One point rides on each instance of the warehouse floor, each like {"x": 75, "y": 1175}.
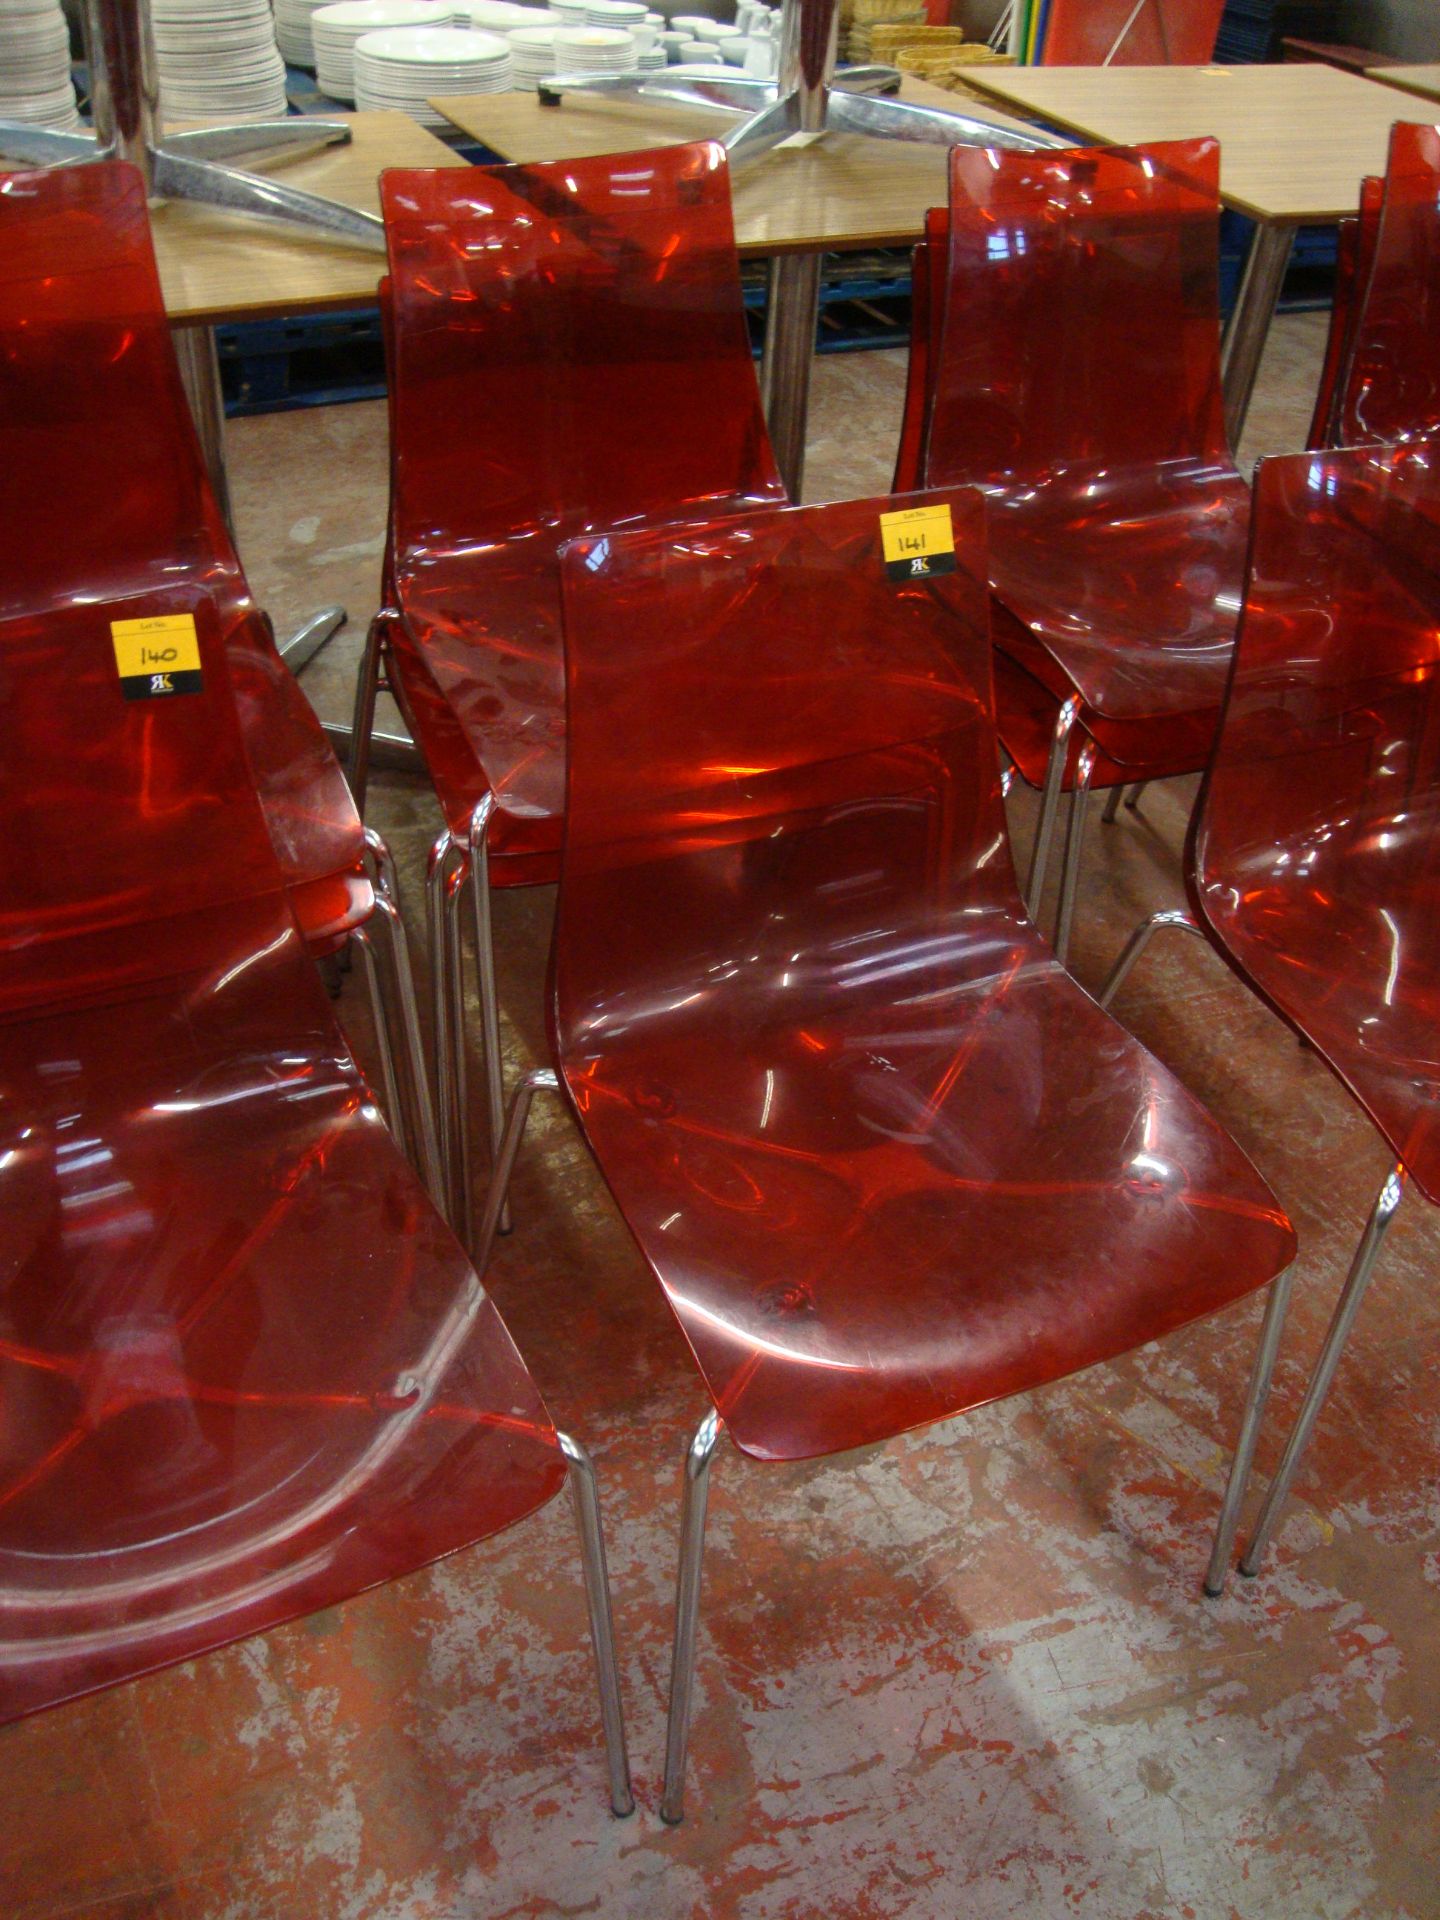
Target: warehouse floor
{"x": 969, "y": 1673}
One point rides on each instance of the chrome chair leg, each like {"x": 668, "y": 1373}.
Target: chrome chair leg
{"x": 396, "y": 1112}
{"x": 367, "y": 686}
{"x": 1112, "y": 805}
{"x": 1070, "y": 872}
{"x": 687, "y": 1613}
{"x": 493, "y": 1063}
{"x": 1257, "y": 1394}
{"x": 1050, "y": 804}
{"x": 452, "y": 901}
{"x": 1132, "y": 799}
{"x": 1138, "y": 942}
{"x": 436, "y": 877}
{"x": 585, "y": 1495}
{"x": 382, "y": 862}
{"x": 423, "y": 1146}
{"x": 1357, "y": 1281}
{"x": 497, "y": 1196}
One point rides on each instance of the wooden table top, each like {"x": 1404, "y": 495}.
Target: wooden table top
{"x": 1424, "y": 80}
{"x": 1295, "y": 140}
{"x": 220, "y": 266}
{"x": 837, "y": 193}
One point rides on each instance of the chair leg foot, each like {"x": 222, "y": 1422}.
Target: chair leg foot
{"x": 1362, "y": 1268}
{"x": 585, "y": 1495}
{"x": 1261, "y": 1373}
{"x": 687, "y": 1613}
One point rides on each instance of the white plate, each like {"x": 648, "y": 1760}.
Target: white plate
{"x": 432, "y": 46}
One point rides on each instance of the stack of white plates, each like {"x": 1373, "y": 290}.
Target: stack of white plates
{"x": 35, "y": 65}
{"x": 594, "y": 50}
{"x": 570, "y": 13}
{"x": 402, "y": 66}
{"x": 292, "y": 31}
{"x": 500, "y": 16}
{"x": 337, "y": 28}
{"x": 532, "y": 54}
{"x": 218, "y": 59}
{"x": 615, "y": 13}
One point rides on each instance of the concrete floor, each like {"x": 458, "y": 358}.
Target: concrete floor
{"x": 968, "y": 1673}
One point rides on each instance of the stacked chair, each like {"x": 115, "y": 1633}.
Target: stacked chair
{"x": 568, "y": 352}
{"x": 887, "y": 1161}
{"x": 99, "y": 441}
{"x": 246, "y": 1369}
{"x": 1312, "y": 862}
{"x": 1381, "y": 376}
{"x": 1067, "y": 363}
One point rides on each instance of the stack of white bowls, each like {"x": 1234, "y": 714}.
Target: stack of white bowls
{"x": 339, "y": 26}
{"x": 292, "y": 31}
{"x": 595, "y": 50}
{"x": 218, "y": 59}
{"x": 35, "y": 65}
{"x": 532, "y": 54}
{"x": 400, "y": 67}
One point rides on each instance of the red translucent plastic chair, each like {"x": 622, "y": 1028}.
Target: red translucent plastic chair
{"x": 1312, "y": 863}
{"x": 104, "y": 499}
{"x": 1389, "y": 386}
{"x": 245, "y": 1369}
{"x": 1076, "y": 379}
{"x": 886, "y": 1159}
{"x": 1130, "y": 33}
{"x": 569, "y": 352}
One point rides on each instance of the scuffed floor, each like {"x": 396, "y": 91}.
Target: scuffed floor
{"x": 966, "y": 1674}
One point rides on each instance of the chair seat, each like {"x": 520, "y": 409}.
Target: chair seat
{"x": 1029, "y": 691}
{"x": 895, "y": 1205}
{"x": 1133, "y": 590}
{"x": 1358, "y": 971}
{"x": 245, "y": 1369}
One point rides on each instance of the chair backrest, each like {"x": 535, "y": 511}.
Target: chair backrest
{"x": 102, "y": 485}
{"x": 809, "y": 783}
{"x": 1313, "y": 852}
{"x": 1390, "y": 381}
{"x": 570, "y": 349}
{"x": 1120, "y": 33}
{"x": 105, "y": 501}
{"x": 1081, "y": 317}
